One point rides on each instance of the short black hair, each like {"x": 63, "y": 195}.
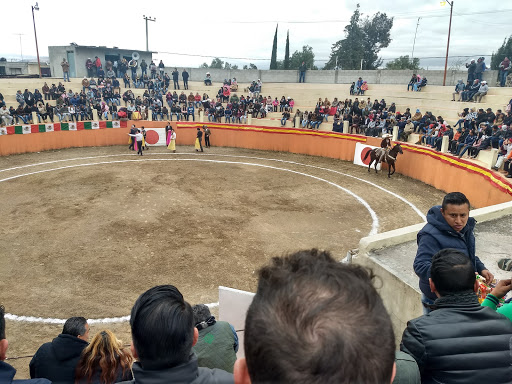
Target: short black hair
{"x": 75, "y": 326}
{"x": 2, "y": 322}
{"x": 455, "y": 198}
{"x": 162, "y": 326}
{"x": 452, "y": 272}
{"x": 201, "y": 313}
{"x": 315, "y": 320}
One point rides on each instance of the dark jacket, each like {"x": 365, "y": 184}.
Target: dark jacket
{"x": 216, "y": 346}
{"x": 57, "y": 360}
{"x": 7, "y": 373}
{"x": 460, "y": 342}
{"x": 437, "y": 235}
{"x": 183, "y": 374}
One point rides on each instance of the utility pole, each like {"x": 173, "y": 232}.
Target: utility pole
{"x": 21, "y": 46}
{"x": 150, "y": 19}
{"x": 448, "y": 44}
{"x": 414, "y": 43}
{"x": 36, "y": 8}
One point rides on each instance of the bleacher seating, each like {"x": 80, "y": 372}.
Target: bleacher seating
{"x": 436, "y": 99}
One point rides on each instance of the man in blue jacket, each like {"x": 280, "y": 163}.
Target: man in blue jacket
{"x": 448, "y": 226}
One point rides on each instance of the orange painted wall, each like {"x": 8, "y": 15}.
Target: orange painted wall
{"x": 307, "y": 142}
{"x": 444, "y": 172}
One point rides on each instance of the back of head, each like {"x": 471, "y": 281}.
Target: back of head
{"x": 452, "y": 272}
{"x": 455, "y": 198}
{"x": 75, "y": 326}
{"x": 314, "y": 320}
{"x": 104, "y": 354}
{"x": 162, "y": 326}
{"x": 201, "y": 313}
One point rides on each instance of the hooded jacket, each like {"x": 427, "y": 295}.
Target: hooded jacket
{"x": 57, "y": 360}
{"x": 436, "y": 235}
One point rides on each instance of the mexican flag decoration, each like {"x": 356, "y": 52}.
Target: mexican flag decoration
{"x": 22, "y": 129}
{"x": 42, "y": 128}
{"x": 116, "y": 124}
{"x": 110, "y": 124}
{"x": 64, "y": 126}
{"x": 49, "y": 127}
{"x": 72, "y": 126}
{"x": 34, "y": 128}
{"x": 3, "y": 131}
{"x": 94, "y": 125}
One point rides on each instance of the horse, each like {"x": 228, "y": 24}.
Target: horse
{"x": 390, "y": 158}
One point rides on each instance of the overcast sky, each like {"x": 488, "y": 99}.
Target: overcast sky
{"x": 241, "y": 32}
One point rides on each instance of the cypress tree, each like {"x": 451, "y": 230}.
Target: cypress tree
{"x": 286, "y": 64}
{"x": 273, "y": 59}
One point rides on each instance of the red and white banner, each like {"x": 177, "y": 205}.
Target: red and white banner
{"x": 360, "y": 152}
{"x": 155, "y": 136}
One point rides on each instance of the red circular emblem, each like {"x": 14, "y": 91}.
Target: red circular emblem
{"x": 363, "y": 154}
{"x": 152, "y": 137}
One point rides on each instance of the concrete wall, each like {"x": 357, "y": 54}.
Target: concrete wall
{"x": 22, "y": 67}
{"x": 330, "y": 77}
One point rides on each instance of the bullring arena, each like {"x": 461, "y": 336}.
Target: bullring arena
{"x": 88, "y": 225}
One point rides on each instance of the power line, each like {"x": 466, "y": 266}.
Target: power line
{"x": 395, "y": 16}
{"x": 316, "y": 59}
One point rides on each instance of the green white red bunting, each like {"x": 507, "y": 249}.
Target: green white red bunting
{"x": 54, "y": 127}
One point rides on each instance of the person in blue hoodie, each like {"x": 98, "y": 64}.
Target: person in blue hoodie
{"x": 7, "y": 372}
{"x": 448, "y": 226}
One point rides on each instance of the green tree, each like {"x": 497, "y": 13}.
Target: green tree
{"x": 286, "y": 63}
{"x": 217, "y": 63}
{"x": 204, "y": 65}
{"x": 305, "y": 55}
{"x": 273, "y": 59}
{"x": 245, "y": 67}
{"x": 364, "y": 38}
{"x": 504, "y": 51}
{"x": 404, "y": 62}
{"x": 252, "y": 66}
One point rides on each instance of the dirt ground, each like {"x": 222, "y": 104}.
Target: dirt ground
{"x": 88, "y": 240}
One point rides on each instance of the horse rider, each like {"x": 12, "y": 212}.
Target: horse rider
{"x": 385, "y": 147}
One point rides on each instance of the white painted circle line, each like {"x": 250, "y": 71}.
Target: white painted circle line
{"x": 49, "y": 320}
{"x": 414, "y": 208}
{"x": 373, "y": 231}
